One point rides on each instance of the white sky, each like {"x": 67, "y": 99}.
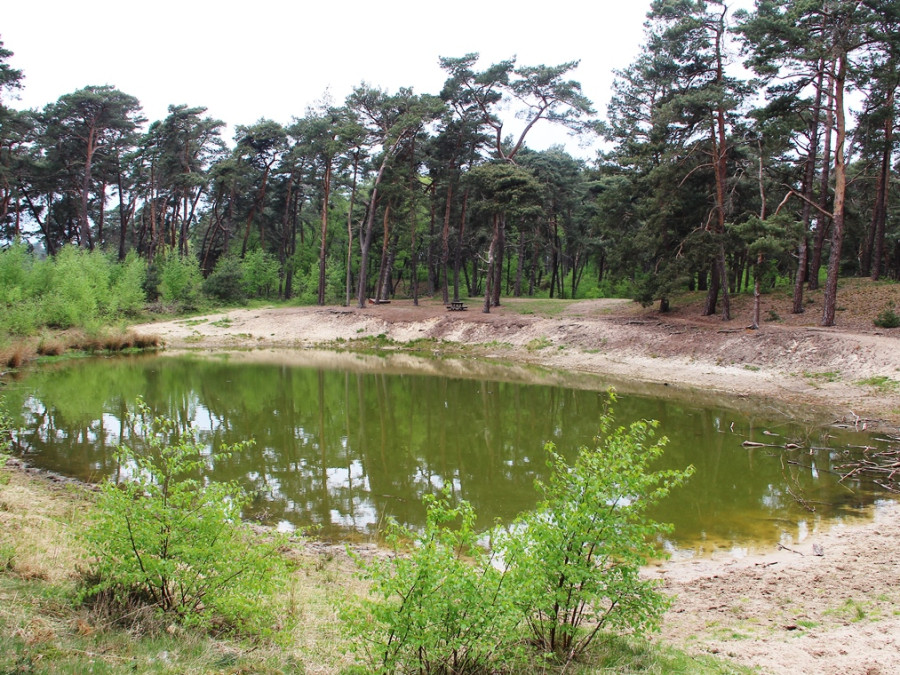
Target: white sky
{"x": 268, "y": 58}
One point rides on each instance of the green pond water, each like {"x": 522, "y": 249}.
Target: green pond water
{"x": 344, "y": 441}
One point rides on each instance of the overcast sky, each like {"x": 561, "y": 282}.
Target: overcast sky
{"x": 266, "y": 58}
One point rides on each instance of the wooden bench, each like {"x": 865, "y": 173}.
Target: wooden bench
{"x": 457, "y": 306}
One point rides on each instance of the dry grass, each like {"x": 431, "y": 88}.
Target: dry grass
{"x": 15, "y": 355}
{"x": 56, "y": 343}
{"x": 39, "y": 528}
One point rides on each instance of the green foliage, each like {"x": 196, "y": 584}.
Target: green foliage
{"x": 73, "y": 287}
{"x": 569, "y": 570}
{"x": 307, "y": 284}
{"x": 127, "y": 296}
{"x": 575, "y": 560}
{"x": 440, "y": 609}
{"x": 226, "y": 282}
{"x": 180, "y": 280}
{"x": 260, "y": 274}
{"x": 165, "y": 537}
{"x": 6, "y": 427}
{"x": 76, "y": 288}
{"x": 887, "y": 318}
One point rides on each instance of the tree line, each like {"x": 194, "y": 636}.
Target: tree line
{"x": 713, "y": 177}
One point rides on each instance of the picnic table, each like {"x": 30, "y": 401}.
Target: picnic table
{"x": 457, "y": 306}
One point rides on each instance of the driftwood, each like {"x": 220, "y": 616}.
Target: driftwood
{"x": 882, "y": 468}
{"x": 786, "y": 446}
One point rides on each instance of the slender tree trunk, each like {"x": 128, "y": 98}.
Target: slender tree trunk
{"x": 257, "y": 206}
{"x": 517, "y": 288}
{"x": 123, "y": 216}
{"x": 823, "y": 222}
{"x": 489, "y": 277}
{"x": 84, "y": 226}
{"x": 457, "y": 259}
{"x": 881, "y": 197}
{"x": 383, "y": 271}
{"x": 414, "y": 255}
{"x": 445, "y": 239}
{"x": 366, "y": 236}
{"x": 326, "y": 196}
{"x": 350, "y": 226}
{"x": 499, "y": 249}
{"x": 720, "y": 164}
{"x": 840, "y": 186}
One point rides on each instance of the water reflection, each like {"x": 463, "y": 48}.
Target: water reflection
{"x": 340, "y": 450}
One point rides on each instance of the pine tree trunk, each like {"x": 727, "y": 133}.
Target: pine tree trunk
{"x": 840, "y": 187}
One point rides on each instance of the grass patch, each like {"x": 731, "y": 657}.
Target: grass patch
{"x": 193, "y": 322}
{"x": 224, "y": 322}
{"x": 852, "y": 610}
{"x": 824, "y": 376}
{"x": 882, "y": 383}
{"x": 538, "y": 343}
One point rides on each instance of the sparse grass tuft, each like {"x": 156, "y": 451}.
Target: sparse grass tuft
{"x": 538, "y": 343}
{"x": 882, "y": 383}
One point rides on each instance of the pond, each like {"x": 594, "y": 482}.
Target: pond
{"x": 343, "y": 441}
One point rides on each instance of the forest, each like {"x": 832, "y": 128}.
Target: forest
{"x": 741, "y": 151}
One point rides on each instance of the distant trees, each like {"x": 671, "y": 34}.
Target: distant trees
{"x": 669, "y": 205}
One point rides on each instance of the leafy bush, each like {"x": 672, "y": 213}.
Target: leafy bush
{"x": 167, "y": 538}
{"x": 575, "y": 560}
{"x": 260, "y": 274}
{"x": 127, "y": 295}
{"x": 180, "y": 280}
{"x": 567, "y": 570}
{"x": 73, "y": 287}
{"x": 76, "y": 288}
{"x": 226, "y": 282}
{"x": 887, "y": 318}
{"x": 440, "y": 609}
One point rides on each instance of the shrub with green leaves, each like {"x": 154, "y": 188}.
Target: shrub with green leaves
{"x": 887, "y": 318}
{"x": 567, "y": 571}
{"x": 226, "y": 282}
{"x": 180, "y": 280}
{"x": 166, "y": 537}
{"x": 575, "y": 560}
{"x": 260, "y": 274}
{"x": 441, "y": 607}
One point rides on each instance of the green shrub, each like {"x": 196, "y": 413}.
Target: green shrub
{"x": 887, "y": 318}
{"x": 73, "y": 287}
{"x": 575, "y": 560}
{"x": 439, "y": 609}
{"x": 567, "y": 571}
{"x": 166, "y": 537}
{"x": 260, "y": 274}
{"x": 15, "y": 267}
{"x": 226, "y": 282}
{"x": 180, "y": 280}
{"x": 127, "y": 295}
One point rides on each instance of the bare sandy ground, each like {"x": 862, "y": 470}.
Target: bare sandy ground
{"x": 830, "y": 605}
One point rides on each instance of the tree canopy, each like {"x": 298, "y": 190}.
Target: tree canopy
{"x": 700, "y": 156}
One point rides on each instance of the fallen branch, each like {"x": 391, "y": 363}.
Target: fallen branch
{"x": 782, "y": 547}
